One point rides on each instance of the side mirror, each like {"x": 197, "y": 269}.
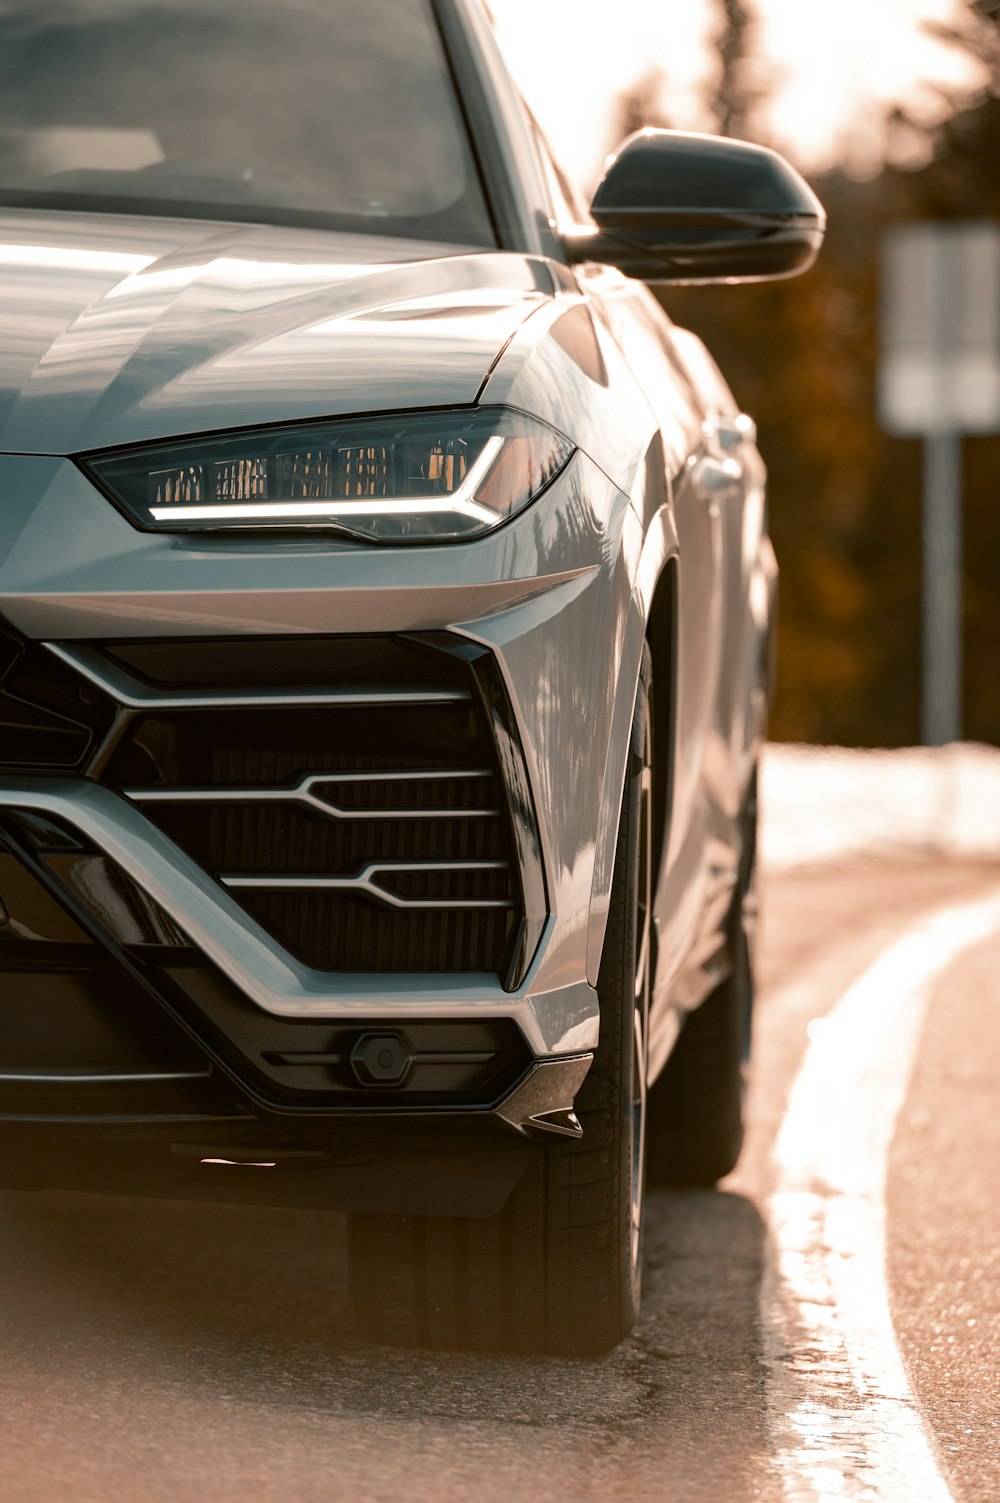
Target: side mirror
{"x": 675, "y": 207}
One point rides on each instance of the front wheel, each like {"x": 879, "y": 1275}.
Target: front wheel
{"x": 557, "y": 1270}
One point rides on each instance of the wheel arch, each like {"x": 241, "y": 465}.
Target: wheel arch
{"x": 653, "y": 618}
{"x": 662, "y": 635}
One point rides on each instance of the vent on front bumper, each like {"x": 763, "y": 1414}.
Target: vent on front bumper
{"x": 110, "y": 1009}
{"x": 356, "y": 811}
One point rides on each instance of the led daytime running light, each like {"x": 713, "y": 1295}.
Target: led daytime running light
{"x": 461, "y": 499}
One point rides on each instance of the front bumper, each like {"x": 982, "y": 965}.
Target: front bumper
{"x": 140, "y": 991}
{"x": 143, "y": 1069}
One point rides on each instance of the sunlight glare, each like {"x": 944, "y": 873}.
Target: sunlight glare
{"x": 830, "y": 69}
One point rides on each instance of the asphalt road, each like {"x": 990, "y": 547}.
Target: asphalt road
{"x": 177, "y": 1352}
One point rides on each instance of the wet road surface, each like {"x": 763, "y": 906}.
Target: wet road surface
{"x": 181, "y": 1352}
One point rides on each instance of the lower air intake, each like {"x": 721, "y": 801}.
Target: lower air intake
{"x": 369, "y": 834}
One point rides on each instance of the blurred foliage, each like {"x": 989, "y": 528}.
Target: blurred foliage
{"x": 642, "y": 104}
{"x": 734, "y": 97}
{"x": 801, "y": 357}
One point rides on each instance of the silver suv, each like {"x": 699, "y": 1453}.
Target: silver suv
{"x": 385, "y": 610}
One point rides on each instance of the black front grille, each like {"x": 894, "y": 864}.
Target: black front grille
{"x": 367, "y": 834}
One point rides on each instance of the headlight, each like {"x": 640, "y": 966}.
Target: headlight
{"x": 411, "y": 477}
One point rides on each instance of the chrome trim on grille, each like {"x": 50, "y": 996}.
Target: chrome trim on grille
{"x": 363, "y": 881}
{"x": 131, "y": 694}
{"x": 302, "y": 793}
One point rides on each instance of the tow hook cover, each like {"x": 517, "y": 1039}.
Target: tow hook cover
{"x": 381, "y": 1059}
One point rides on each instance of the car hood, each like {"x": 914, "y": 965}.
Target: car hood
{"x": 119, "y": 330}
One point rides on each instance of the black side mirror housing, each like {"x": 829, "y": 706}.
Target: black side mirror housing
{"x": 677, "y": 207}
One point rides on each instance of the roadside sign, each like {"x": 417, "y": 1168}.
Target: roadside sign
{"x": 940, "y": 366}
{"x": 939, "y": 377}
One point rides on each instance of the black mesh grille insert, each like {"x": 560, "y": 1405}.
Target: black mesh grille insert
{"x": 369, "y": 835}
{"x": 339, "y": 933}
{"x": 282, "y": 838}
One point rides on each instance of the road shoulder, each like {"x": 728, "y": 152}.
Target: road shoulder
{"x": 944, "y": 1224}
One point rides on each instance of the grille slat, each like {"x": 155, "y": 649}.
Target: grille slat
{"x": 412, "y": 894}
{"x": 134, "y": 695}
{"x": 372, "y": 795}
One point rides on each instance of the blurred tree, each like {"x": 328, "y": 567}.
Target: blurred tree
{"x": 642, "y": 103}
{"x": 975, "y": 30}
{"x": 734, "y": 95}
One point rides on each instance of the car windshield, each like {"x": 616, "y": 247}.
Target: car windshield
{"x": 337, "y": 113}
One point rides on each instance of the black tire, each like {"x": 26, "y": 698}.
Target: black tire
{"x": 557, "y": 1270}
{"x": 696, "y": 1108}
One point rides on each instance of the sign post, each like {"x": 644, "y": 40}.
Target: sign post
{"x": 939, "y": 377}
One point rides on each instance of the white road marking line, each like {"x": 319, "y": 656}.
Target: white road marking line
{"x": 844, "y": 1422}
